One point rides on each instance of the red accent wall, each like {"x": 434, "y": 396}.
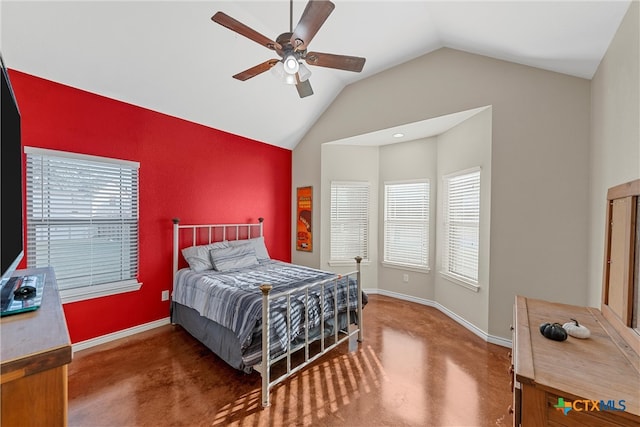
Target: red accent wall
{"x": 189, "y": 171}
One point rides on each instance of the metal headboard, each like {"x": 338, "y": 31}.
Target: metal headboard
{"x": 212, "y": 231}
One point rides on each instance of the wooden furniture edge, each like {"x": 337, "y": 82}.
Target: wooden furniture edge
{"x": 523, "y": 362}
{"x": 14, "y": 369}
{"x": 606, "y": 269}
{"x": 629, "y": 339}
{"x": 534, "y": 399}
{"x": 627, "y": 189}
{"x": 623, "y": 190}
{"x": 36, "y": 351}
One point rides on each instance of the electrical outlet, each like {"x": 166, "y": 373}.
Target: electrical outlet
{"x": 405, "y": 278}
{"x": 165, "y": 295}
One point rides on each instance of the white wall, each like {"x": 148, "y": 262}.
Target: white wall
{"x": 615, "y": 134}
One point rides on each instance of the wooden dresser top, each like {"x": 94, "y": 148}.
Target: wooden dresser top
{"x": 38, "y": 340}
{"x": 602, "y": 367}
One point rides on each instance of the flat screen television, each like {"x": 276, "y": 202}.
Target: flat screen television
{"x": 11, "y": 227}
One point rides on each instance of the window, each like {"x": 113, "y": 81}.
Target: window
{"x": 461, "y": 226}
{"x": 82, "y": 219}
{"x": 349, "y": 220}
{"x": 406, "y": 224}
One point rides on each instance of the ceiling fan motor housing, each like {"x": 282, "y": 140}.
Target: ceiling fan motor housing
{"x": 284, "y": 40}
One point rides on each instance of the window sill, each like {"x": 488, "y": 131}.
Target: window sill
{"x": 472, "y": 286}
{"x": 397, "y": 266}
{"x": 345, "y": 263}
{"x": 98, "y": 291}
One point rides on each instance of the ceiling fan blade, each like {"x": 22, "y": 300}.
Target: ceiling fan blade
{"x": 254, "y": 71}
{"x": 304, "y": 88}
{"x": 240, "y": 28}
{"x": 314, "y": 15}
{"x": 340, "y": 62}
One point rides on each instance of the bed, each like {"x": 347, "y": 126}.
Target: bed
{"x": 226, "y": 285}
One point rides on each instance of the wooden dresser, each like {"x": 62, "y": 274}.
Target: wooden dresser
{"x": 581, "y": 372}
{"x": 35, "y": 350}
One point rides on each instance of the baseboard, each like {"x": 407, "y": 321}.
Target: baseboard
{"x": 83, "y": 345}
{"x": 161, "y": 322}
{"x": 462, "y": 321}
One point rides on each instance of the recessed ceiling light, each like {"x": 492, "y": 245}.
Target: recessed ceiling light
{"x": 398, "y": 135}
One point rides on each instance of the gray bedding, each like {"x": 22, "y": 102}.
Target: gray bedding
{"x": 233, "y": 301}
{"x": 217, "y": 338}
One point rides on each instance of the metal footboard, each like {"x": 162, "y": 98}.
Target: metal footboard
{"x": 339, "y": 336}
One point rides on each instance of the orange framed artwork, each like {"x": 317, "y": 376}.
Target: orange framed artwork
{"x": 304, "y": 233}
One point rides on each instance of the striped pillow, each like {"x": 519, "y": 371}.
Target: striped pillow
{"x": 256, "y": 243}
{"x": 198, "y": 257}
{"x": 225, "y": 259}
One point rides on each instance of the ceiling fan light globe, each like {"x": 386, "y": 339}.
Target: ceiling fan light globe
{"x": 278, "y": 70}
{"x": 291, "y": 65}
{"x": 290, "y": 79}
{"x": 304, "y": 73}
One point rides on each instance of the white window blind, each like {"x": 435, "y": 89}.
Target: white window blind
{"x": 406, "y": 224}
{"x": 349, "y": 220}
{"x": 82, "y": 217}
{"x": 462, "y": 225}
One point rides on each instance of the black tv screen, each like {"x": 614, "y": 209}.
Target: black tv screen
{"x": 11, "y": 230}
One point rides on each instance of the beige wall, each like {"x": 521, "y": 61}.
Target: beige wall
{"x": 405, "y": 161}
{"x": 467, "y": 146}
{"x": 615, "y": 133}
{"x": 539, "y": 158}
{"x": 347, "y": 163}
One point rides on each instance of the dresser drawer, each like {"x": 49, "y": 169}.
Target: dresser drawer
{"x": 584, "y": 413}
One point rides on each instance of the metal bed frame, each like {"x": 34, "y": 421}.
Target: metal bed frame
{"x": 244, "y": 231}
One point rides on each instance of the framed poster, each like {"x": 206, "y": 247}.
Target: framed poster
{"x": 304, "y": 201}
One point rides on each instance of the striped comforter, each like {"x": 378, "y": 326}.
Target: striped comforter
{"x": 233, "y": 299}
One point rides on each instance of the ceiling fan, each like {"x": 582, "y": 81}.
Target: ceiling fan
{"x": 292, "y": 47}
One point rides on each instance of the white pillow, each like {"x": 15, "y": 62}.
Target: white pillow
{"x": 198, "y": 257}
{"x": 256, "y": 243}
{"x": 231, "y": 258}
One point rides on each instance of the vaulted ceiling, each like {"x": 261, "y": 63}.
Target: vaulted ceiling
{"x": 170, "y": 57}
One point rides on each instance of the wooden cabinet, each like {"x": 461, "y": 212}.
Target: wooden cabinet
{"x": 598, "y": 378}
{"x": 35, "y": 350}
{"x": 596, "y": 381}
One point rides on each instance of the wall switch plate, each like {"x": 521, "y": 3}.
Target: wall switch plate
{"x": 165, "y": 295}
{"x": 405, "y": 278}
